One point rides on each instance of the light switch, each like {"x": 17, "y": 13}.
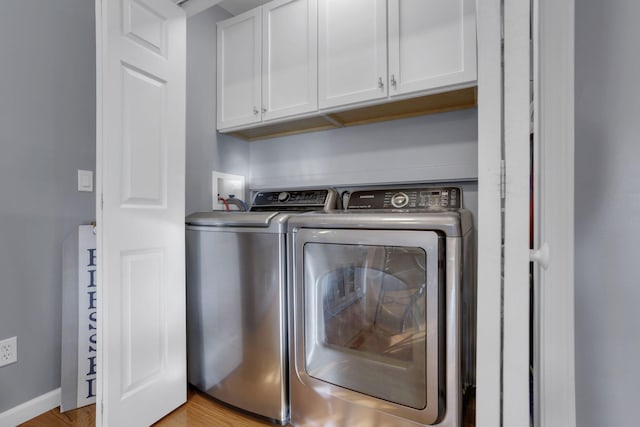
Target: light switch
{"x": 85, "y": 180}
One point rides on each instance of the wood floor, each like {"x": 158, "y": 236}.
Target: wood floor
{"x": 199, "y": 411}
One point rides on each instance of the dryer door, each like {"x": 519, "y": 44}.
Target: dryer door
{"x": 371, "y": 303}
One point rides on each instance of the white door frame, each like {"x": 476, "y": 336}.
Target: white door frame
{"x": 517, "y": 158}
{"x": 503, "y": 103}
{"x": 489, "y": 221}
{"x": 554, "y": 362}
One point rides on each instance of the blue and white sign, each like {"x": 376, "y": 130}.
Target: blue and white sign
{"x": 87, "y": 312}
{"x": 79, "y": 319}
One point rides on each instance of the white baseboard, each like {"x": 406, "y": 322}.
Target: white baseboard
{"x": 30, "y": 409}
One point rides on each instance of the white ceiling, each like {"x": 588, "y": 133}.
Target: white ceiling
{"x": 193, "y": 7}
{"x": 236, "y": 7}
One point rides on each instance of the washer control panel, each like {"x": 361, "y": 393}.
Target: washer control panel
{"x": 294, "y": 200}
{"x": 407, "y": 198}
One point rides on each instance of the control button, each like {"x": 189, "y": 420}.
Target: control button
{"x": 399, "y": 200}
{"x": 283, "y": 197}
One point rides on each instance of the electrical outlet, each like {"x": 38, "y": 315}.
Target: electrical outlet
{"x": 9, "y": 351}
{"x": 226, "y": 185}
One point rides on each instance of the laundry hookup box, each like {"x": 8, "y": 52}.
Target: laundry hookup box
{"x": 79, "y": 323}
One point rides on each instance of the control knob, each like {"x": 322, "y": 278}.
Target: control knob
{"x": 283, "y": 197}
{"x": 399, "y": 200}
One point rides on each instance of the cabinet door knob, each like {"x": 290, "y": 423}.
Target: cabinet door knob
{"x": 380, "y": 83}
{"x": 393, "y": 81}
{"x": 264, "y": 110}
{"x": 255, "y": 111}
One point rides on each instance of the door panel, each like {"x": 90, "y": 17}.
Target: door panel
{"x": 432, "y": 44}
{"x": 290, "y": 58}
{"x": 239, "y": 57}
{"x": 144, "y": 149}
{"x": 143, "y": 24}
{"x": 352, "y": 51}
{"x": 141, "y": 283}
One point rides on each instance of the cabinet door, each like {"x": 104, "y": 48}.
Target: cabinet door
{"x": 238, "y": 57}
{"x": 352, "y": 50}
{"x": 290, "y": 58}
{"x": 432, "y": 44}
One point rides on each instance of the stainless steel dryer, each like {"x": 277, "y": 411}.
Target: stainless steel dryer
{"x": 236, "y": 300}
{"x": 382, "y": 309}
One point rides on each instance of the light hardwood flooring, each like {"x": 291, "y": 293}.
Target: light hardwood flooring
{"x": 199, "y": 411}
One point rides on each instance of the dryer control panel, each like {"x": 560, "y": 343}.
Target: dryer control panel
{"x": 407, "y": 198}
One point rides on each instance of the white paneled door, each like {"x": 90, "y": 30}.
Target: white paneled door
{"x": 140, "y": 210}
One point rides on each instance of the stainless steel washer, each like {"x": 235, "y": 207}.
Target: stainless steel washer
{"x": 382, "y": 309}
{"x": 236, "y": 300}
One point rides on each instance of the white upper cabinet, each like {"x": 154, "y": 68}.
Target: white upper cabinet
{"x": 290, "y": 58}
{"x": 432, "y": 44}
{"x": 239, "y": 69}
{"x": 352, "y": 50}
{"x": 304, "y": 59}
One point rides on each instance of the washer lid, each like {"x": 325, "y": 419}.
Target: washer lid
{"x": 231, "y": 219}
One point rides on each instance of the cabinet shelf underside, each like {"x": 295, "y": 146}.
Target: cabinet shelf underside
{"x": 429, "y": 104}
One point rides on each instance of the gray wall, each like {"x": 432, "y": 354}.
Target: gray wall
{"x": 607, "y": 292}
{"x": 426, "y": 148}
{"x": 206, "y": 150}
{"x": 47, "y": 132}
{"x": 433, "y": 148}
